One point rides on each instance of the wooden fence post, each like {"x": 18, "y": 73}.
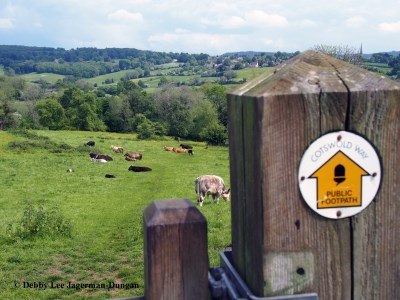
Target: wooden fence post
{"x": 280, "y": 246}
{"x": 175, "y": 249}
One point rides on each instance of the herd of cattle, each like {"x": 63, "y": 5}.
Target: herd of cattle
{"x": 204, "y": 185}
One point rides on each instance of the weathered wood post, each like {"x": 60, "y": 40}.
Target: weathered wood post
{"x": 280, "y": 246}
{"x": 175, "y": 249}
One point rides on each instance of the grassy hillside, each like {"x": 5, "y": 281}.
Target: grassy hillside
{"x": 106, "y": 244}
{"x": 49, "y": 77}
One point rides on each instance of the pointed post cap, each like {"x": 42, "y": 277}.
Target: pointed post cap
{"x": 313, "y": 72}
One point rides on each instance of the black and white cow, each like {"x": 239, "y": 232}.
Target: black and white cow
{"x": 211, "y": 184}
{"x": 95, "y": 156}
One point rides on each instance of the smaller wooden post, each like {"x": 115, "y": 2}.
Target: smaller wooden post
{"x": 175, "y": 249}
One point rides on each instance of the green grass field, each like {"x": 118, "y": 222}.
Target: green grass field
{"x": 106, "y": 243}
{"x": 49, "y": 77}
{"x": 250, "y": 73}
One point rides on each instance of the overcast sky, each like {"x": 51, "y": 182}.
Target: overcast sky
{"x": 202, "y": 26}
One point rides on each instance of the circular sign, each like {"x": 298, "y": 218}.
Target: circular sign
{"x": 339, "y": 174}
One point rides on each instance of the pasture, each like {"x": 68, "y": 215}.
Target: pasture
{"x": 49, "y": 77}
{"x": 106, "y": 243}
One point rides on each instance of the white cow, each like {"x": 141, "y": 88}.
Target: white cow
{"x": 211, "y": 184}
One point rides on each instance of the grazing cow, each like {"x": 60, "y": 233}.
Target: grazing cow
{"x": 90, "y": 144}
{"x": 100, "y": 156}
{"x": 132, "y": 156}
{"x": 99, "y": 160}
{"x": 185, "y": 146}
{"x": 211, "y": 184}
{"x": 139, "y": 169}
{"x": 110, "y": 176}
{"x": 70, "y": 171}
{"x": 117, "y": 149}
{"x": 179, "y": 150}
{"x": 166, "y": 148}
{"x": 190, "y": 151}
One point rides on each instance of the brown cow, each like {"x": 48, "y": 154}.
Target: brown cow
{"x": 179, "y": 150}
{"x": 117, "y": 149}
{"x": 132, "y": 156}
{"x": 166, "y": 148}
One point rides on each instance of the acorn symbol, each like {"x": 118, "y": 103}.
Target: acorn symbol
{"x": 340, "y": 173}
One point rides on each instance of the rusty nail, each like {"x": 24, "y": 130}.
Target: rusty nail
{"x": 339, "y": 137}
{"x": 338, "y": 213}
{"x": 374, "y": 174}
{"x": 302, "y": 178}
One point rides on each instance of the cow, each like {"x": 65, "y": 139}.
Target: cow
{"x": 186, "y": 146}
{"x": 100, "y": 156}
{"x": 117, "y": 149}
{"x": 90, "y": 144}
{"x": 211, "y": 184}
{"x": 190, "y": 151}
{"x": 99, "y": 160}
{"x": 179, "y": 150}
{"x": 139, "y": 169}
{"x": 166, "y": 148}
{"x": 132, "y": 156}
{"x": 129, "y": 158}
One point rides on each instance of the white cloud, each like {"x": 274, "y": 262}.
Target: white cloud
{"x": 6, "y": 23}
{"x": 390, "y": 27}
{"x": 37, "y": 24}
{"x": 276, "y": 44}
{"x": 233, "y": 22}
{"x": 181, "y": 30}
{"x": 260, "y": 18}
{"x": 125, "y": 16}
{"x": 306, "y": 23}
{"x": 251, "y": 19}
{"x": 212, "y": 43}
{"x": 355, "y": 22}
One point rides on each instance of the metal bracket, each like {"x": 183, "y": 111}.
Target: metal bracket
{"x": 226, "y": 284}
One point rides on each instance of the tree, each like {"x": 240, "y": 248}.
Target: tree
{"x": 163, "y": 81}
{"x": 118, "y": 115}
{"x": 51, "y": 114}
{"x": 216, "y": 93}
{"x": 174, "y": 107}
{"x": 140, "y": 102}
{"x": 7, "y": 116}
{"x": 345, "y": 53}
{"x": 147, "y": 129}
{"x": 203, "y": 115}
{"x": 214, "y": 134}
{"x": 82, "y": 110}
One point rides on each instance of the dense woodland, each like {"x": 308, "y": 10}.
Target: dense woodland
{"x": 192, "y": 111}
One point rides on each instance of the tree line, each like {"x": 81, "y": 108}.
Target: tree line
{"x": 392, "y": 61}
{"x": 197, "y": 114}
{"x": 85, "y": 62}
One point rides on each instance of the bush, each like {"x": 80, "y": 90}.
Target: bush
{"x": 147, "y": 129}
{"x": 215, "y": 134}
{"x": 38, "y": 221}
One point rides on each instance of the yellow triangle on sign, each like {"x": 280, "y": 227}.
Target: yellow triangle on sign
{"x": 339, "y": 182}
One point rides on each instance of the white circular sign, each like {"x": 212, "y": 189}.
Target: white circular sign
{"x": 339, "y": 174}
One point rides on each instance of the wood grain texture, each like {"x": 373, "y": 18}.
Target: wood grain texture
{"x": 272, "y": 121}
{"x": 175, "y": 247}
